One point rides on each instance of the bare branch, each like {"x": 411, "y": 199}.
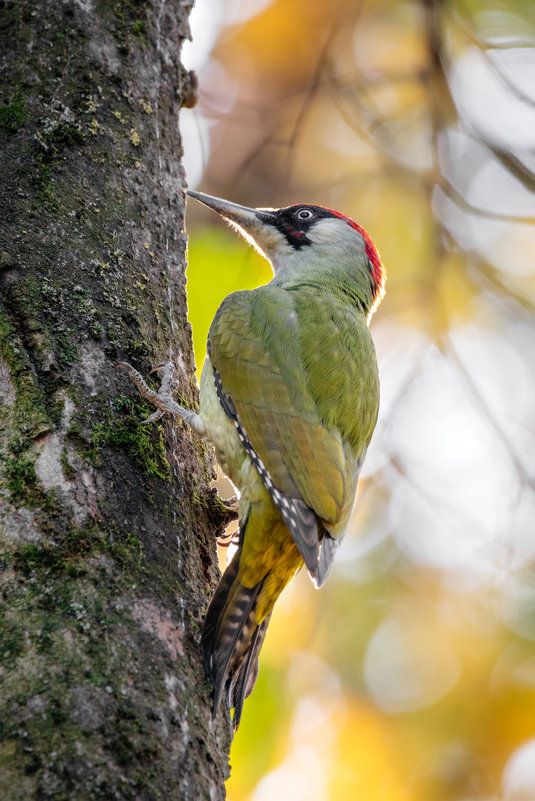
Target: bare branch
{"x": 486, "y": 276}
{"x": 504, "y": 79}
{"x": 450, "y": 191}
{"x": 525, "y": 479}
{"x": 514, "y": 164}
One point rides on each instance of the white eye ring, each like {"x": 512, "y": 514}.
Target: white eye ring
{"x": 304, "y": 214}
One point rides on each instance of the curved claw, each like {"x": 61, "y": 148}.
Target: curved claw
{"x": 231, "y": 504}
{"x": 137, "y": 379}
{"x": 163, "y": 366}
{"x": 125, "y": 366}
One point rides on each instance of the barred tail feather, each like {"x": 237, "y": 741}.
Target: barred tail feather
{"x": 215, "y": 610}
{"x": 231, "y": 639}
{"x": 246, "y": 678}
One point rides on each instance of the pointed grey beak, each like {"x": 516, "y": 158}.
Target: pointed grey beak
{"x": 246, "y": 218}
{"x": 257, "y": 226}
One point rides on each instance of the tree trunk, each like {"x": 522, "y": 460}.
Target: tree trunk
{"x": 107, "y": 526}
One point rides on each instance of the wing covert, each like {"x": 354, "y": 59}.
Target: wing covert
{"x": 256, "y": 347}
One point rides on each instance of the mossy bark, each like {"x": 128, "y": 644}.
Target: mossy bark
{"x": 107, "y": 527}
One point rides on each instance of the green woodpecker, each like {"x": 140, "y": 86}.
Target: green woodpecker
{"x": 289, "y": 397}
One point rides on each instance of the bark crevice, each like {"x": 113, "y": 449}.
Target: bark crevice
{"x": 107, "y": 527}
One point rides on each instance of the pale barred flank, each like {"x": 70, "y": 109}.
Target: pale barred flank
{"x": 299, "y": 518}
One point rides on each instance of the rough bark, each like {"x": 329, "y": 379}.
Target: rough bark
{"x": 107, "y": 526}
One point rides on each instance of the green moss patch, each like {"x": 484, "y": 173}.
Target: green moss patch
{"x": 13, "y": 114}
{"x": 143, "y": 443}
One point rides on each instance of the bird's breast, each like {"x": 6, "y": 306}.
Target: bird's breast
{"x": 220, "y": 429}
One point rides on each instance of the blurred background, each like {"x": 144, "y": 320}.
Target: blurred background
{"x": 411, "y": 675}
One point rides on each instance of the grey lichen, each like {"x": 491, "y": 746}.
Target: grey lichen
{"x": 108, "y": 550}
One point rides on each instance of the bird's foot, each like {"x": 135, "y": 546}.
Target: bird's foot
{"x": 229, "y": 539}
{"x": 163, "y": 398}
{"x": 231, "y": 504}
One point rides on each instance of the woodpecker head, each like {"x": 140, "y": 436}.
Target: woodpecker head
{"x": 301, "y": 239}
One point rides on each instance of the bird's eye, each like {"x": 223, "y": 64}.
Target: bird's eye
{"x": 304, "y": 214}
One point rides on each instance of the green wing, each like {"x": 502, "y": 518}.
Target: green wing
{"x": 298, "y": 370}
